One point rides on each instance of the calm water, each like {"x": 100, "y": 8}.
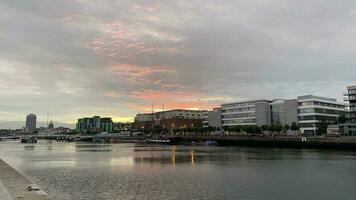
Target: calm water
{"x": 127, "y": 171}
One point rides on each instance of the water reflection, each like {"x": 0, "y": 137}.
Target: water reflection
{"x": 29, "y": 147}
{"x": 132, "y": 171}
{"x": 93, "y": 147}
{"x": 122, "y": 161}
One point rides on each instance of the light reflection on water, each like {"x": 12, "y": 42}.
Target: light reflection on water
{"x": 128, "y": 171}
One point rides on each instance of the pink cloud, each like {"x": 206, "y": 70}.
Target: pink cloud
{"x": 117, "y": 39}
{"x": 167, "y": 95}
{"x": 194, "y": 105}
{"x": 140, "y": 74}
{"x": 147, "y": 8}
{"x": 112, "y": 94}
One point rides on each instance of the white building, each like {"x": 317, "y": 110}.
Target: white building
{"x": 253, "y": 112}
{"x": 312, "y": 110}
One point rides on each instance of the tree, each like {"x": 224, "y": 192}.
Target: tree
{"x": 264, "y": 128}
{"x": 294, "y": 127}
{"x": 226, "y": 128}
{"x": 322, "y": 127}
{"x": 278, "y": 128}
{"x": 286, "y": 128}
{"x": 342, "y": 119}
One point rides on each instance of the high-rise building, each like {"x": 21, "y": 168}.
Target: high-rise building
{"x": 313, "y": 110}
{"x": 350, "y": 125}
{"x": 31, "y": 123}
{"x": 253, "y": 112}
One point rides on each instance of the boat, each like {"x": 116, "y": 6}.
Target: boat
{"x": 29, "y": 140}
{"x": 169, "y": 141}
{"x": 210, "y": 143}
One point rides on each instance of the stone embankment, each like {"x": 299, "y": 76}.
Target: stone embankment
{"x": 13, "y": 185}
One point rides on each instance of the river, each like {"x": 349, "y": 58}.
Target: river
{"x": 75, "y": 171}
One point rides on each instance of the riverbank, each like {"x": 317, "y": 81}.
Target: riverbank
{"x": 13, "y": 185}
{"x": 338, "y": 143}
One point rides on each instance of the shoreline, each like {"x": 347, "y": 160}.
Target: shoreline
{"x": 15, "y": 185}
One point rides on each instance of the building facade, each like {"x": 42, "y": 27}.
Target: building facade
{"x": 95, "y": 124}
{"x": 284, "y": 112}
{"x": 170, "y": 119}
{"x": 313, "y": 110}
{"x": 31, "y": 120}
{"x": 242, "y": 113}
{"x": 350, "y": 125}
{"x": 212, "y": 118}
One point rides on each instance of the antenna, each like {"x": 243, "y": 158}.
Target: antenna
{"x": 163, "y": 117}
{"x": 47, "y": 116}
{"x": 152, "y": 120}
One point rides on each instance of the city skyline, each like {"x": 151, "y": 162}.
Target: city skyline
{"x": 115, "y": 58}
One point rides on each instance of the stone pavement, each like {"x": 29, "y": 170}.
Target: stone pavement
{"x": 13, "y": 185}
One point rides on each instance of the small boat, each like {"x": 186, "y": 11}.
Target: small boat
{"x": 29, "y": 140}
{"x": 210, "y": 143}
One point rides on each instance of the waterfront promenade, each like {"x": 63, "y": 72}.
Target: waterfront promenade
{"x": 13, "y": 185}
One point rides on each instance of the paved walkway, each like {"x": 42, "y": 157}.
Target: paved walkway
{"x": 13, "y": 185}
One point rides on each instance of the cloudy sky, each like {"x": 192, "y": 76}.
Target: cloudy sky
{"x": 79, "y": 58}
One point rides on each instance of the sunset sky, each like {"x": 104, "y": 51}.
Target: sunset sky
{"x": 80, "y": 58}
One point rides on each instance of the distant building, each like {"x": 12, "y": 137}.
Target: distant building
{"x": 94, "y": 125}
{"x": 122, "y": 126}
{"x": 242, "y": 113}
{"x": 31, "y": 120}
{"x": 212, "y": 118}
{"x": 51, "y": 125}
{"x": 312, "y": 110}
{"x": 171, "y": 119}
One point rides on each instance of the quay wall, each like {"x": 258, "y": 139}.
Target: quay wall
{"x": 14, "y": 185}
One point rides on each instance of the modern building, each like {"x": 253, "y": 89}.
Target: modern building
{"x": 31, "y": 120}
{"x": 212, "y": 118}
{"x": 94, "y": 124}
{"x": 284, "y": 112}
{"x": 253, "y": 112}
{"x": 350, "y": 125}
{"x": 170, "y": 119}
{"x": 313, "y": 110}
{"x": 106, "y": 124}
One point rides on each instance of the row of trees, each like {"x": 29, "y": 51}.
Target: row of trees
{"x": 253, "y": 129}
{"x": 161, "y": 130}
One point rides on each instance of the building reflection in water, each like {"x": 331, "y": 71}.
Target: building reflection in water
{"x": 29, "y": 147}
{"x": 192, "y": 158}
{"x": 93, "y": 147}
{"x": 173, "y": 157}
{"x": 122, "y": 161}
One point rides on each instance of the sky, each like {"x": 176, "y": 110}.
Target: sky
{"x": 78, "y": 58}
